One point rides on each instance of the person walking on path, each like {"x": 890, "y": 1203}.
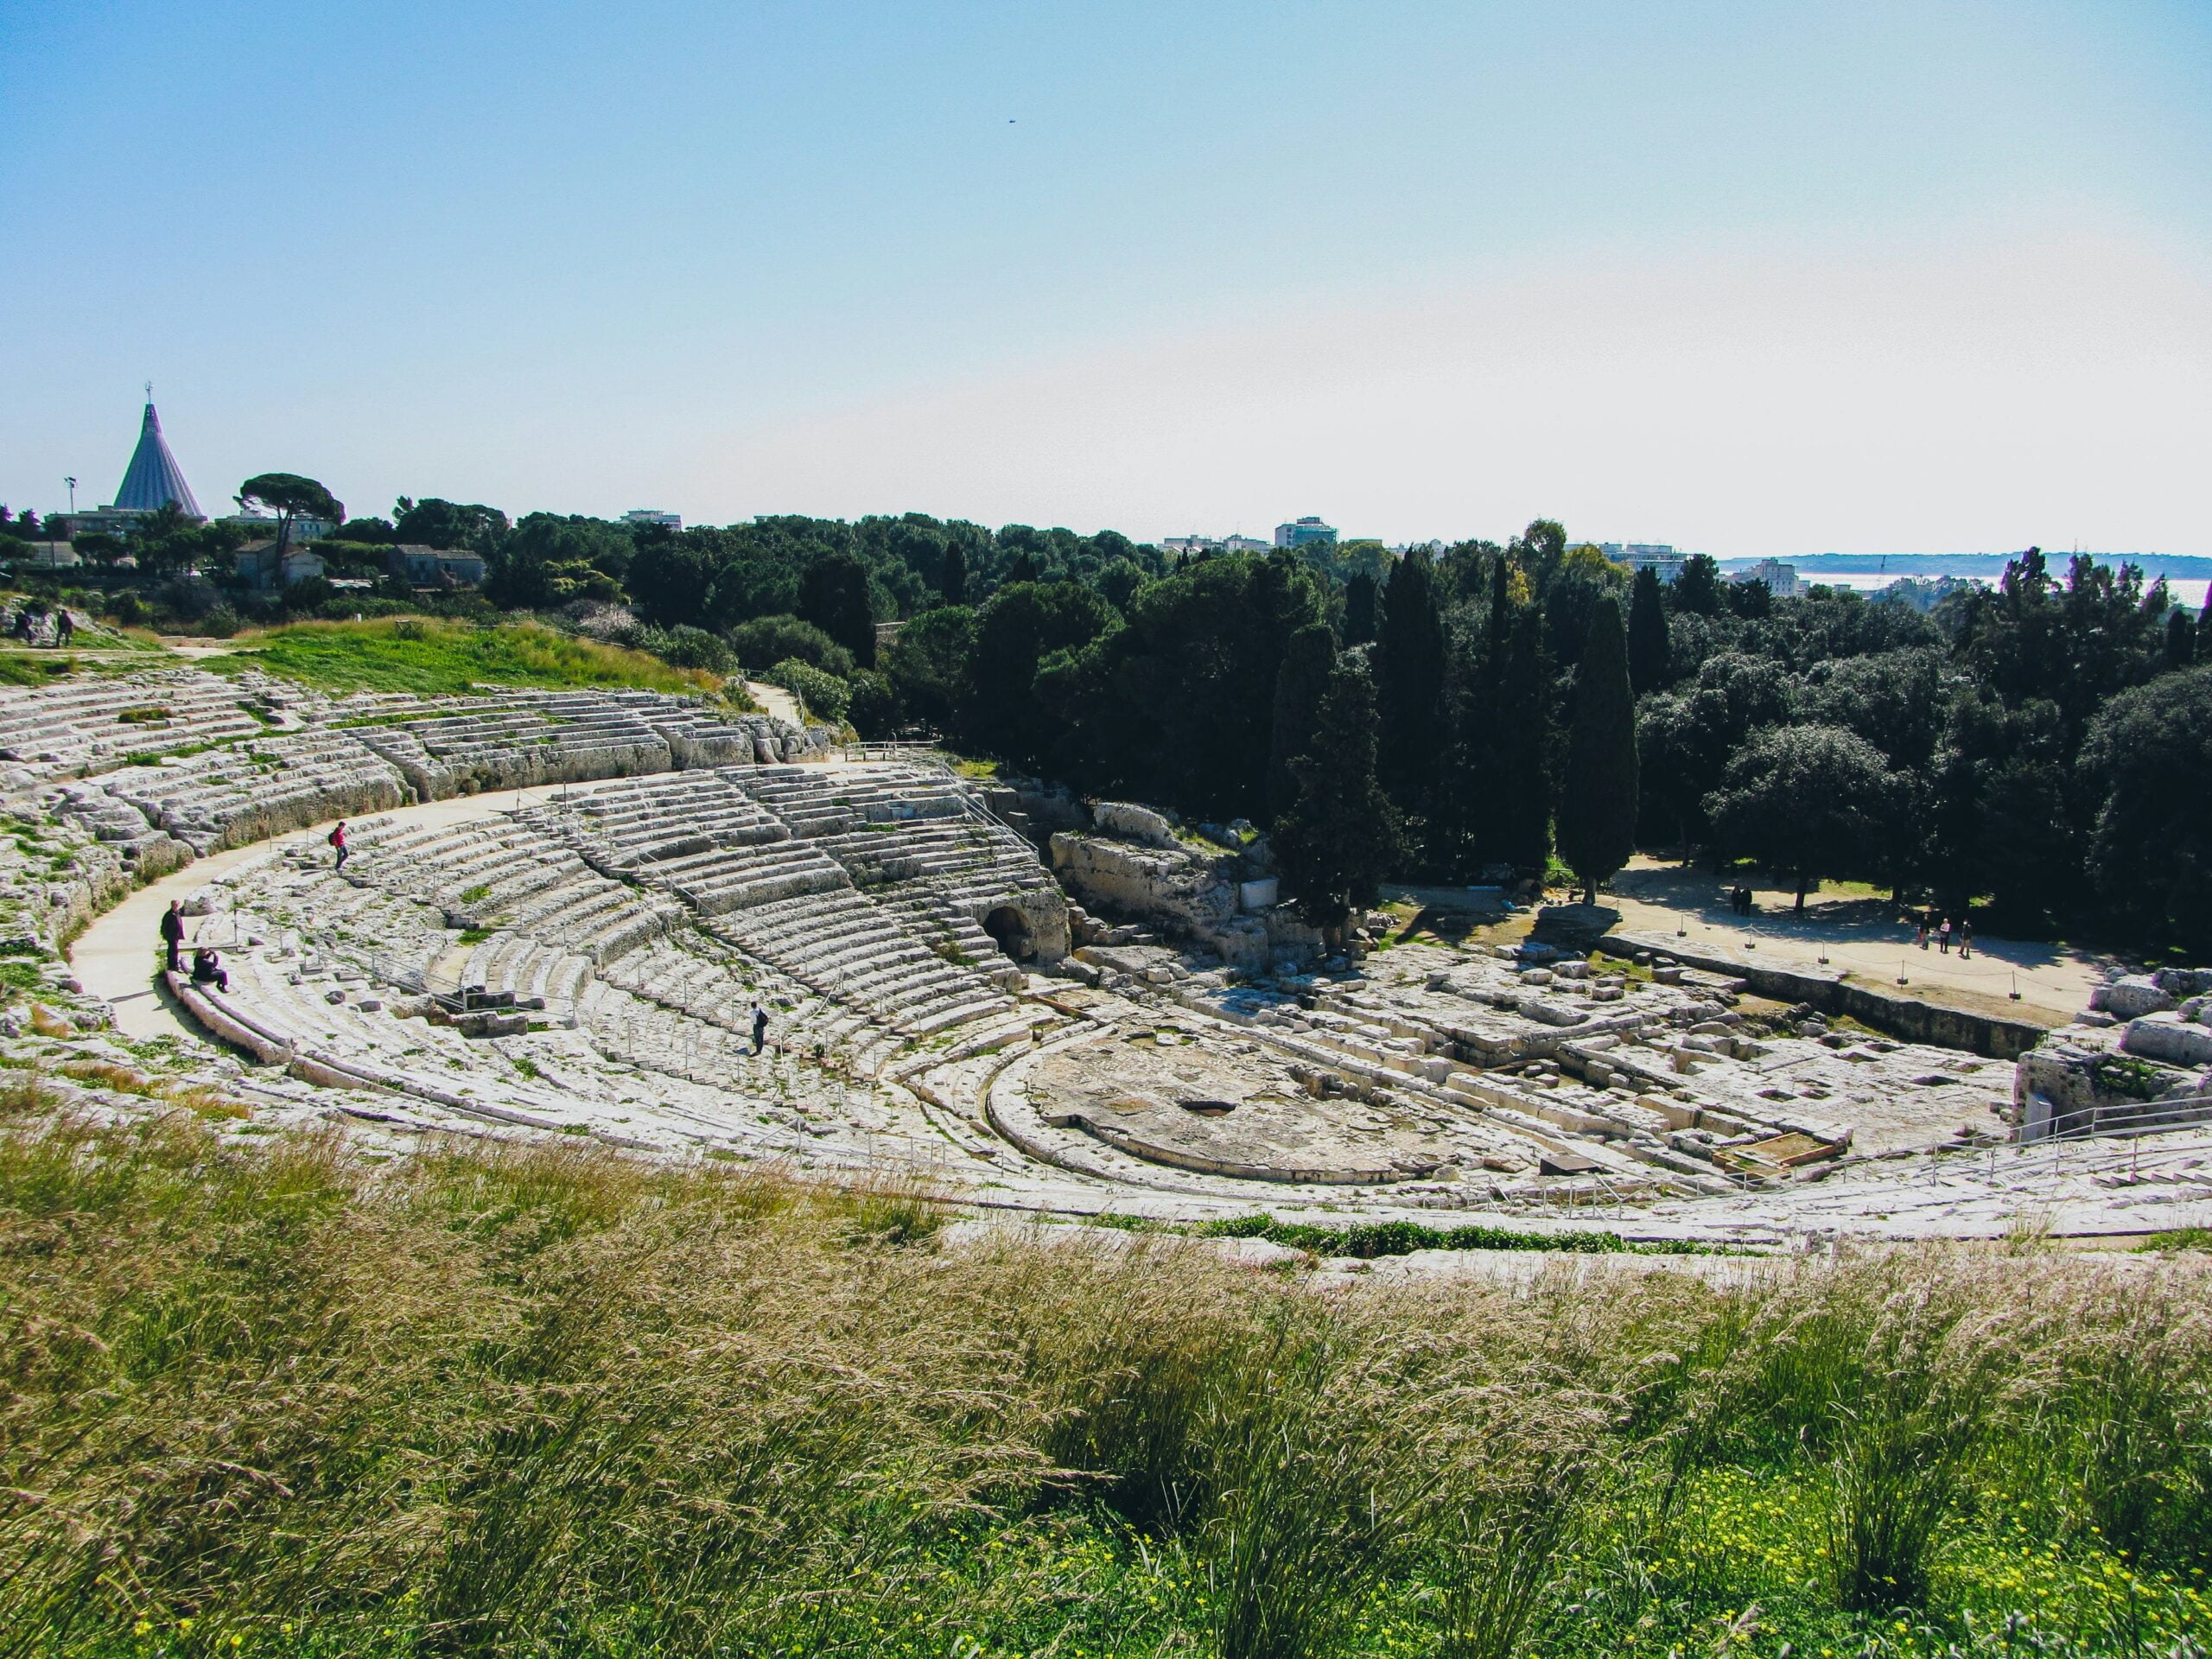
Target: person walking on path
{"x": 1944, "y": 937}
{"x": 759, "y": 1027}
{"x": 338, "y": 839}
{"x": 173, "y": 934}
{"x": 1920, "y": 938}
{"x": 1966, "y": 938}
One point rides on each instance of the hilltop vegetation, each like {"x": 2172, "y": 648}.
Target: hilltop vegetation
{"x": 551, "y": 1400}
{"x": 435, "y": 656}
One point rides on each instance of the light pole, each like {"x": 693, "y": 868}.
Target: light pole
{"x": 71, "y": 483}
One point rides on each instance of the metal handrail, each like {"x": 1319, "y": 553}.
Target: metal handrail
{"x": 2082, "y": 1122}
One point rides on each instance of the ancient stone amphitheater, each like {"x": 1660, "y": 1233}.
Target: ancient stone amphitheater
{"x": 562, "y": 909}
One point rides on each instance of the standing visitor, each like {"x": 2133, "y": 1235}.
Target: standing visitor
{"x": 1966, "y": 938}
{"x": 1920, "y": 936}
{"x": 173, "y": 934}
{"x": 338, "y": 839}
{"x": 759, "y": 1027}
{"x": 1944, "y": 945}
{"x": 65, "y": 628}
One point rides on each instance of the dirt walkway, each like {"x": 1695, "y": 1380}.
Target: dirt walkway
{"x": 1861, "y": 935}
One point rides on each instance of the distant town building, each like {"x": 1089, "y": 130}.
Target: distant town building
{"x": 260, "y": 566}
{"x": 255, "y": 525}
{"x": 1779, "y": 579}
{"x": 1305, "y": 532}
{"x": 152, "y": 481}
{"x": 1195, "y": 545}
{"x": 1659, "y": 556}
{"x": 437, "y": 567}
{"x": 45, "y": 555}
{"x": 644, "y": 516}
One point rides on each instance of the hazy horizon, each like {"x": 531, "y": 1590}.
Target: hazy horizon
{"x": 1869, "y": 279}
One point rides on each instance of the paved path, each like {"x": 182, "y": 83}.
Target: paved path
{"x": 774, "y": 700}
{"x": 1862, "y": 936}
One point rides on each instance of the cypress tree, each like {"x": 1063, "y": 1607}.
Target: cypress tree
{"x": 1300, "y": 682}
{"x": 952, "y": 580}
{"x": 1463, "y": 783}
{"x": 1359, "y": 610}
{"x": 1519, "y": 829}
{"x": 2181, "y": 640}
{"x": 1336, "y": 842}
{"x": 1647, "y": 634}
{"x": 1409, "y": 680}
{"x": 1597, "y": 811}
{"x": 1501, "y": 618}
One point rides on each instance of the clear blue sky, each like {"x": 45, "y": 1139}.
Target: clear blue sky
{"x": 1748, "y": 277}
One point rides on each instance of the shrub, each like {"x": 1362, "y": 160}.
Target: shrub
{"x": 683, "y": 647}
{"x": 824, "y": 695}
{"x": 874, "y": 708}
{"x": 766, "y": 640}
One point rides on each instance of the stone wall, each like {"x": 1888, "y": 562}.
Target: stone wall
{"x": 1184, "y": 892}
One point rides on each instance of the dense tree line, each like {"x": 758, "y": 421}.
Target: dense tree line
{"x": 2043, "y": 745}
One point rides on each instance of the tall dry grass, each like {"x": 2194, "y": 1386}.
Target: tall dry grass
{"x": 552, "y": 1399}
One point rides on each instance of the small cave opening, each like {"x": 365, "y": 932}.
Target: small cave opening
{"x": 1010, "y": 930}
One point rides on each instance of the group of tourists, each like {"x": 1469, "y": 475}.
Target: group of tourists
{"x": 206, "y": 962}
{"x": 1739, "y": 900}
{"x": 25, "y": 631}
{"x": 1942, "y": 932}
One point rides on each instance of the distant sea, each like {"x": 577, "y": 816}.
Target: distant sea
{"x": 2188, "y": 576}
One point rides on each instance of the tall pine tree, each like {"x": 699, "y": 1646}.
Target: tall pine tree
{"x": 1597, "y": 808}
{"x": 1336, "y": 842}
{"x": 1409, "y": 681}
{"x": 1647, "y": 634}
{"x": 1300, "y": 682}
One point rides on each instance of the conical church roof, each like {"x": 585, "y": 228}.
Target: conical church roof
{"x": 155, "y": 477}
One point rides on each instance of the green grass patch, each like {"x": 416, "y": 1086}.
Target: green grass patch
{"x": 2179, "y": 1238}
{"x": 547, "y": 1400}
{"x": 434, "y": 657}
{"x": 1368, "y": 1240}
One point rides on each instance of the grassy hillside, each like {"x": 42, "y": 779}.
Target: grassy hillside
{"x": 433, "y": 656}
{"x": 280, "y": 1400}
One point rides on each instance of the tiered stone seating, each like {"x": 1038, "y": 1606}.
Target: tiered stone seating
{"x": 251, "y": 791}
{"x": 621, "y": 829}
{"x": 511, "y": 747}
{"x": 79, "y": 725}
{"x": 535, "y": 974}
{"x": 722, "y": 993}
{"x": 813, "y": 801}
{"x": 860, "y": 953}
{"x": 510, "y": 877}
